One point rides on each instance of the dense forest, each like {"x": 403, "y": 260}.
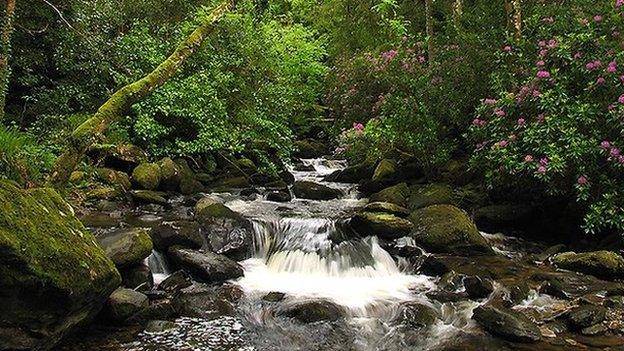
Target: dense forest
{"x": 368, "y": 174}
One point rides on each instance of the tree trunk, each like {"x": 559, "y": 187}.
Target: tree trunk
{"x": 5, "y": 51}
{"x": 429, "y": 25}
{"x": 458, "y": 9}
{"x": 517, "y": 19}
{"x": 92, "y": 129}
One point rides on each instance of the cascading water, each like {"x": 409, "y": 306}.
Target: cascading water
{"x": 158, "y": 266}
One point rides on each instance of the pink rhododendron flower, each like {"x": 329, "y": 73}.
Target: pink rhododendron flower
{"x": 499, "y": 112}
{"x": 612, "y": 68}
{"x": 619, "y": 3}
{"x": 544, "y": 161}
{"x": 598, "y": 18}
{"x": 507, "y": 48}
{"x": 600, "y": 81}
{"x": 541, "y": 170}
{"x": 541, "y": 63}
{"x": 582, "y": 180}
{"x": 489, "y": 101}
{"x": 590, "y": 66}
{"x": 358, "y": 126}
{"x": 605, "y": 144}
{"x": 615, "y": 152}
{"x": 528, "y": 158}
{"x": 521, "y": 121}
{"x": 621, "y": 99}
{"x": 621, "y": 159}
{"x": 543, "y": 74}
{"x": 543, "y": 53}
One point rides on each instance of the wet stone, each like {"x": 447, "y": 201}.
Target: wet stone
{"x": 594, "y": 330}
{"x": 159, "y": 326}
{"x": 506, "y": 323}
{"x": 586, "y": 316}
{"x": 176, "y": 281}
{"x": 274, "y": 296}
{"x": 477, "y": 287}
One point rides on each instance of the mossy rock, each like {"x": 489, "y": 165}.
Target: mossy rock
{"x": 246, "y": 165}
{"x": 309, "y": 148}
{"x": 104, "y": 193}
{"x": 386, "y": 207}
{"x": 53, "y": 273}
{"x": 430, "y": 194}
{"x": 121, "y": 157}
{"x": 190, "y": 186}
{"x": 126, "y": 246}
{"x": 397, "y": 194}
{"x": 352, "y": 174}
{"x": 304, "y": 189}
{"x": 147, "y": 176}
{"x": 115, "y": 178}
{"x": 385, "y": 169}
{"x": 149, "y": 197}
{"x": 383, "y": 225}
{"x": 170, "y": 174}
{"x": 506, "y": 323}
{"x": 447, "y": 229}
{"x": 77, "y": 176}
{"x": 226, "y": 184}
{"x": 204, "y": 178}
{"x": 125, "y": 303}
{"x": 603, "y": 264}
{"x": 416, "y": 315}
{"x": 313, "y": 311}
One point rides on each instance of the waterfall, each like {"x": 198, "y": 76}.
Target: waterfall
{"x": 159, "y": 266}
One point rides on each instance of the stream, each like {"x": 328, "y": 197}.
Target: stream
{"x": 301, "y": 253}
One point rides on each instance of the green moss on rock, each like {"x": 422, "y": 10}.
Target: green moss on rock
{"x": 430, "y": 194}
{"x": 397, "y": 194}
{"x": 126, "y": 246}
{"x": 114, "y": 178}
{"x": 604, "y": 264}
{"x": 447, "y": 229}
{"x": 170, "y": 174}
{"x": 385, "y": 169}
{"x": 47, "y": 252}
{"x": 383, "y": 225}
{"x": 147, "y": 176}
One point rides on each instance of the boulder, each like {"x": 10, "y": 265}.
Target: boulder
{"x": 227, "y": 184}
{"x": 387, "y": 207}
{"x": 201, "y": 301}
{"x": 147, "y": 176}
{"x": 123, "y": 157}
{"x": 149, "y": 197}
{"x": 506, "y": 323}
{"x": 104, "y": 193}
{"x": 309, "y": 148}
{"x": 204, "y": 265}
{"x": 502, "y": 217}
{"x": 279, "y": 196}
{"x": 477, "y": 287}
{"x": 137, "y": 275}
{"x": 383, "y": 225}
{"x": 226, "y": 232}
{"x": 125, "y": 303}
{"x": 397, "y": 194}
{"x": 430, "y": 194}
{"x": 176, "y": 282}
{"x": 447, "y": 229}
{"x": 182, "y": 233}
{"x": 315, "y": 191}
{"x": 115, "y": 178}
{"x": 602, "y": 264}
{"x": 53, "y": 275}
{"x": 126, "y": 246}
{"x": 170, "y": 174}
{"x": 586, "y": 316}
{"x": 385, "y": 169}
{"x": 416, "y": 315}
{"x": 274, "y": 296}
{"x": 159, "y": 326}
{"x": 352, "y": 174}
{"x": 313, "y": 311}
{"x": 76, "y": 177}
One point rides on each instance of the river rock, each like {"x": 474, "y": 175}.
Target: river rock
{"x": 314, "y": 191}
{"x": 204, "y": 265}
{"x": 125, "y": 303}
{"x": 602, "y": 264}
{"x": 226, "y": 232}
{"x": 149, "y": 197}
{"x": 274, "y": 296}
{"x": 402, "y": 247}
{"x": 397, "y": 194}
{"x": 114, "y": 178}
{"x": 176, "y": 281}
{"x": 506, "y": 323}
{"x": 182, "y": 233}
{"x": 159, "y": 326}
{"x": 170, "y": 174}
{"x": 586, "y": 316}
{"x": 137, "y": 275}
{"x": 313, "y": 311}
{"x": 385, "y": 169}
{"x": 104, "y": 193}
{"x": 502, "y": 217}
{"x": 53, "y": 275}
{"x": 477, "y": 287}
{"x": 126, "y": 246}
{"x": 309, "y": 148}
{"x": 123, "y": 157}
{"x": 430, "y": 194}
{"x": 387, "y": 207}
{"x": 201, "y": 301}
{"x": 447, "y": 229}
{"x": 279, "y": 196}
{"x": 352, "y": 174}
{"x": 383, "y": 225}
{"x": 147, "y": 176}
{"x": 416, "y": 315}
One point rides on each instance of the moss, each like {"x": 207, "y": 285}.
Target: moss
{"x": 387, "y": 207}
{"x": 149, "y": 196}
{"x": 430, "y": 194}
{"x": 246, "y": 164}
{"x": 397, "y": 195}
{"x": 384, "y": 225}
{"x": 216, "y": 210}
{"x": 77, "y": 177}
{"x": 385, "y": 169}
{"x": 605, "y": 264}
{"x": 104, "y": 193}
{"x": 127, "y": 246}
{"x": 115, "y": 178}
{"x": 147, "y": 176}
{"x": 170, "y": 174}
{"x": 41, "y": 239}
{"x": 447, "y": 229}
{"x": 231, "y": 183}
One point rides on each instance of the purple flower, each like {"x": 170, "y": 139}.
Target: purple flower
{"x": 507, "y": 48}
{"x": 536, "y": 93}
{"x": 541, "y": 117}
{"x": 612, "y": 68}
{"x": 577, "y": 56}
{"x": 582, "y": 180}
{"x": 590, "y": 66}
{"x": 528, "y": 158}
{"x": 544, "y": 161}
{"x": 499, "y": 112}
{"x": 543, "y": 74}
{"x": 541, "y": 170}
{"x": 541, "y": 63}
{"x": 489, "y": 101}
{"x": 358, "y": 126}
{"x": 503, "y": 143}
{"x": 605, "y": 144}
{"x": 621, "y": 159}
{"x": 389, "y": 55}
{"x": 619, "y": 3}
{"x": 611, "y": 107}
{"x": 521, "y": 121}
{"x": 541, "y": 43}
{"x": 600, "y": 81}
{"x": 615, "y": 152}
{"x": 598, "y": 18}
{"x": 621, "y": 99}
{"x": 543, "y": 52}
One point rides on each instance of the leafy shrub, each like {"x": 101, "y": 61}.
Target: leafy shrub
{"x": 557, "y": 126}
{"x": 22, "y": 159}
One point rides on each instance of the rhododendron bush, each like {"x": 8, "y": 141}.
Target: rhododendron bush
{"x": 556, "y": 124}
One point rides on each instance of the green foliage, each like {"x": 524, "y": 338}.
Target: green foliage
{"x": 22, "y": 159}
{"x": 556, "y": 126}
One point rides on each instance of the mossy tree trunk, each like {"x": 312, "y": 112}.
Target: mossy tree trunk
{"x": 112, "y": 110}
{"x": 5, "y": 51}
